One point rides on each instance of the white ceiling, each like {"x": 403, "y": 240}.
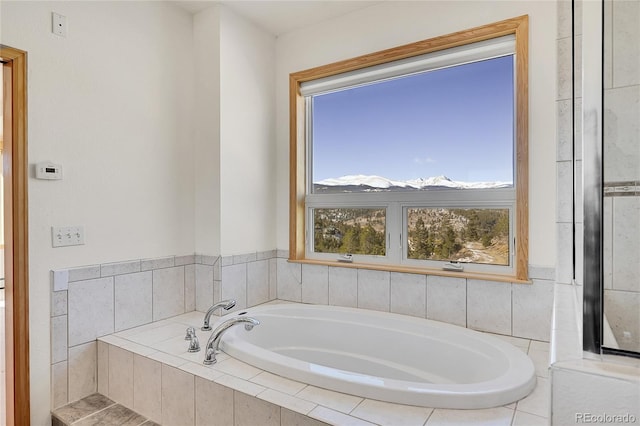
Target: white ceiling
{"x": 279, "y": 17}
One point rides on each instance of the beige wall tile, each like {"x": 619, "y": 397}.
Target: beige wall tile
{"x": 178, "y": 397}
{"x": 168, "y": 292}
{"x": 257, "y": 282}
{"x": 489, "y": 306}
{"x": 82, "y": 370}
{"x": 251, "y": 411}
{"x": 121, "y": 376}
{"x": 133, "y": 300}
{"x": 103, "y": 368}
{"x": 91, "y": 310}
{"x": 214, "y": 404}
{"x": 447, "y": 300}
{"x": 147, "y": 387}
{"x": 373, "y": 290}
{"x": 59, "y": 384}
{"x": 343, "y": 287}
{"x": 409, "y": 294}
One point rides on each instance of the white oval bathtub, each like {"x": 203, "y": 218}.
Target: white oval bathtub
{"x": 383, "y": 356}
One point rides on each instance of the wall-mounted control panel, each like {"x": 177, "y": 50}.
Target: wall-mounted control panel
{"x": 67, "y": 236}
{"x": 48, "y": 170}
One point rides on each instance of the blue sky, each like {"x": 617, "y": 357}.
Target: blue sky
{"x": 455, "y": 121}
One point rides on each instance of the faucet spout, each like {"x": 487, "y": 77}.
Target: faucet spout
{"x": 225, "y": 304}
{"x": 214, "y": 340}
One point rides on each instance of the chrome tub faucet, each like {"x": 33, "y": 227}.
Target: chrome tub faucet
{"x": 225, "y": 304}
{"x": 214, "y": 340}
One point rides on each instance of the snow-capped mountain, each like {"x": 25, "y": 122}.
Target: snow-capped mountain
{"x": 358, "y": 183}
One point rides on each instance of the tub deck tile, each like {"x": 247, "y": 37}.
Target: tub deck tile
{"x": 159, "y": 334}
{"x": 540, "y": 362}
{"x": 499, "y": 416}
{"x": 334, "y": 417}
{"x": 278, "y": 383}
{"x": 168, "y": 359}
{"x": 287, "y": 401}
{"x": 537, "y": 402}
{"x": 537, "y": 345}
{"x": 201, "y": 370}
{"x": 385, "y": 413}
{"x": 237, "y": 368}
{"x": 240, "y": 385}
{"x": 334, "y": 400}
{"x": 525, "y": 419}
{"x": 193, "y": 357}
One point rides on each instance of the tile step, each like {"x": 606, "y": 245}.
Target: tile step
{"x": 97, "y": 409}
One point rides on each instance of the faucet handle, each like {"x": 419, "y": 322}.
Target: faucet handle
{"x": 191, "y": 333}
{"x": 194, "y": 344}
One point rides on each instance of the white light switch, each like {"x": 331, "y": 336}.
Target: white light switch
{"x": 67, "y": 236}
{"x": 59, "y": 24}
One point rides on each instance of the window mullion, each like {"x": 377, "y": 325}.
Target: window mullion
{"x": 394, "y": 232}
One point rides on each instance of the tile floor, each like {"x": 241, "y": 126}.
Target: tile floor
{"x": 329, "y": 406}
{"x": 97, "y": 410}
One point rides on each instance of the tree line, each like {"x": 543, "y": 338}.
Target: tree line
{"x": 434, "y": 233}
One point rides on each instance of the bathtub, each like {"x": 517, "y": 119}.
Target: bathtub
{"x": 383, "y": 356}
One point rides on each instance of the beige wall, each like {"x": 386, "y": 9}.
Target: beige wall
{"x": 112, "y": 102}
{"x": 235, "y": 166}
{"x": 247, "y": 136}
{"x": 206, "y": 38}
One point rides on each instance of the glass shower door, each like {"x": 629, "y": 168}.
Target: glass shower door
{"x": 621, "y": 175}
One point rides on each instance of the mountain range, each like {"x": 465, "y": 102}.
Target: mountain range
{"x": 364, "y": 183}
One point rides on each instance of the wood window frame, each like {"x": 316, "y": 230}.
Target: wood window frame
{"x": 15, "y": 173}
{"x": 518, "y": 26}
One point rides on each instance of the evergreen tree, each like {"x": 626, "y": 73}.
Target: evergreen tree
{"x": 422, "y": 241}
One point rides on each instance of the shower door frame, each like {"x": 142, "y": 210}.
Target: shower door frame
{"x": 592, "y": 173}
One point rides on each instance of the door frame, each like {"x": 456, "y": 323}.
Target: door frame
{"x": 15, "y": 173}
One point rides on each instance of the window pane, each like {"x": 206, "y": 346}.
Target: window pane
{"x": 355, "y": 231}
{"x": 447, "y": 128}
{"x": 461, "y": 235}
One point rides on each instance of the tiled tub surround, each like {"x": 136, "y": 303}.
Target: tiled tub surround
{"x": 102, "y": 299}
{"x": 98, "y": 300}
{"x": 520, "y": 310}
{"x": 149, "y": 370}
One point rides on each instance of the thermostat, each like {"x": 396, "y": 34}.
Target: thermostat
{"x": 48, "y": 170}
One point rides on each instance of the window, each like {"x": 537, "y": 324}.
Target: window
{"x": 416, "y": 157}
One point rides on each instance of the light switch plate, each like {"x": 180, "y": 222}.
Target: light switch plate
{"x": 59, "y": 24}
{"x": 67, "y": 236}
